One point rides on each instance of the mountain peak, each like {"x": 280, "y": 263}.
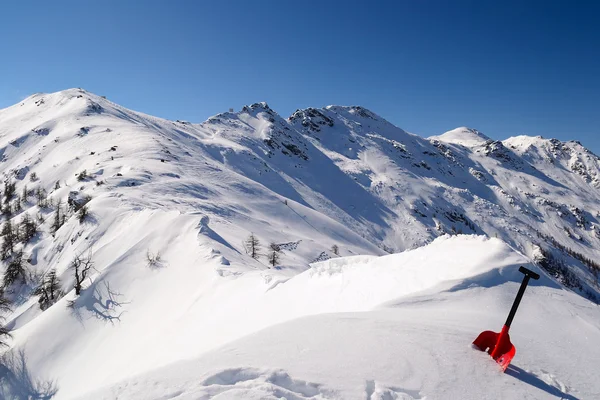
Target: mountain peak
{"x": 311, "y": 118}
{"x": 257, "y": 107}
{"x": 468, "y": 137}
{"x": 353, "y": 110}
{"x": 314, "y": 119}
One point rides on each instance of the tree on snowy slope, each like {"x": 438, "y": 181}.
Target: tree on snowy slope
{"x": 14, "y": 270}
{"x": 27, "y": 228}
{"x": 82, "y": 213}
{"x": 252, "y": 246}
{"x": 9, "y": 191}
{"x": 335, "y": 249}
{"x": 7, "y": 210}
{"x": 10, "y": 238}
{"x": 81, "y": 267}
{"x": 4, "y": 307}
{"x": 59, "y": 217}
{"x": 274, "y": 254}
{"x": 25, "y": 194}
{"x": 41, "y": 197}
{"x": 17, "y": 205}
{"x": 49, "y": 290}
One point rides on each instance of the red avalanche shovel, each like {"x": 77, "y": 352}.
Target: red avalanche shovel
{"x": 498, "y": 345}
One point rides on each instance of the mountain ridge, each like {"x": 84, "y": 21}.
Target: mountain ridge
{"x": 321, "y": 184}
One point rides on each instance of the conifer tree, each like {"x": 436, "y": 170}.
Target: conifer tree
{"x": 4, "y": 306}
{"x": 9, "y": 239}
{"x": 49, "y": 290}
{"x": 59, "y": 218}
{"x": 252, "y": 246}
{"x": 15, "y": 270}
{"x": 274, "y": 254}
{"x": 27, "y": 228}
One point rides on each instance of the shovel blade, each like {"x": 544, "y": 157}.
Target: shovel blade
{"x": 497, "y": 345}
{"x": 505, "y": 359}
{"x": 486, "y": 341}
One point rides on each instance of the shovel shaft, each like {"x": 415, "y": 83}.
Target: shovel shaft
{"x": 528, "y": 274}
{"x": 515, "y": 305}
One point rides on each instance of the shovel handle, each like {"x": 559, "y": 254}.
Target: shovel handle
{"x": 528, "y": 274}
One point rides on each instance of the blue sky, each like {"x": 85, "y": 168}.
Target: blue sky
{"x": 505, "y": 68}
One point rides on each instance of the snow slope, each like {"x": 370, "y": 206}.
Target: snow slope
{"x": 398, "y": 326}
{"x": 333, "y": 176}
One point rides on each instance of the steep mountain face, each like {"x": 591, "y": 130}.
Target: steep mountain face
{"x": 170, "y": 205}
{"x": 534, "y": 193}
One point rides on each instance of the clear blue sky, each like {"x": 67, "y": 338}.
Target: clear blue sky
{"x": 505, "y": 68}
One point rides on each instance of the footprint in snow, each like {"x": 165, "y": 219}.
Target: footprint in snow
{"x": 551, "y": 380}
{"x": 251, "y": 383}
{"x": 376, "y": 391}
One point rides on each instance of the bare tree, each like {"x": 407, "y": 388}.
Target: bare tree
{"x": 154, "y": 259}
{"x": 81, "y": 266}
{"x": 252, "y": 246}
{"x": 274, "y": 254}
{"x": 335, "y": 249}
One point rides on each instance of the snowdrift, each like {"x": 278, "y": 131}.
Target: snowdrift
{"x": 397, "y": 326}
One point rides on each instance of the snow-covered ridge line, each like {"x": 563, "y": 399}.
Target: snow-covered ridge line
{"x": 380, "y": 316}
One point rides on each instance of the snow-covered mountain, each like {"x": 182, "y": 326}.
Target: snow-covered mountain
{"x": 161, "y": 210}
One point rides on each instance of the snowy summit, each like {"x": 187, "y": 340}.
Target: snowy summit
{"x": 464, "y": 136}
{"x": 324, "y": 255}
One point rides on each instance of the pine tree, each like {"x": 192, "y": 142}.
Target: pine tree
{"x": 7, "y": 210}
{"x": 274, "y": 254}
{"x": 41, "y": 197}
{"x": 82, "y": 175}
{"x": 14, "y": 270}
{"x": 9, "y": 191}
{"x": 252, "y": 246}
{"x": 49, "y": 290}
{"x": 25, "y": 194}
{"x": 59, "y": 218}
{"x": 4, "y": 306}
{"x": 9, "y": 240}
{"x": 335, "y": 249}
{"x": 17, "y": 204}
{"x": 82, "y": 213}
{"x": 27, "y": 228}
